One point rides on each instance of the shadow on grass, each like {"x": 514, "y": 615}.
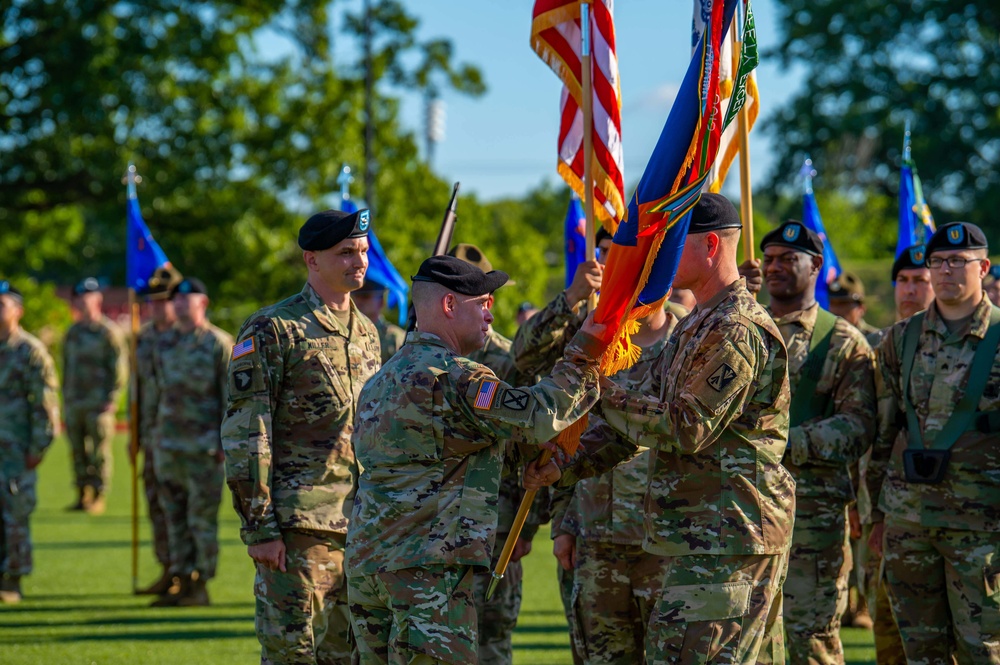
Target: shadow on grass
{"x": 114, "y": 621}
{"x": 27, "y": 607}
{"x": 112, "y": 544}
{"x": 147, "y": 636}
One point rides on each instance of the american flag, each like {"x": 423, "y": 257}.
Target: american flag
{"x": 556, "y": 37}
{"x": 243, "y": 348}
{"x": 487, "y": 389}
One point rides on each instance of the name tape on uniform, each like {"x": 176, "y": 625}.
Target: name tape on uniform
{"x": 244, "y": 348}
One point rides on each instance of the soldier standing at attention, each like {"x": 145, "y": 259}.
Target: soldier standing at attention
{"x": 190, "y": 376}
{"x": 95, "y": 368}
{"x": 719, "y": 505}
{"x": 433, "y": 432}
{"x": 162, "y": 323}
{"x": 934, "y": 464}
{"x": 295, "y": 375}
{"x": 370, "y": 299}
{"x": 832, "y": 414}
{"x": 847, "y": 300}
{"x": 29, "y": 416}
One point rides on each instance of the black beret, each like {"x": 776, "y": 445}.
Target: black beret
{"x": 7, "y": 289}
{"x": 459, "y": 276}
{"x": 189, "y": 285}
{"x": 325, "y": 229}
{"x": 713, "y": 212}
{"x": 912, "y": 257}
{"x": 957, "y": 235}
{"x": 86, "y": 285}
{"x": 794, "y": 234}
{"x": 847, "y": 287}
{"x": 525, "y": 306}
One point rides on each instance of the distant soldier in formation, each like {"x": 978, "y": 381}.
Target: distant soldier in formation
{"x": 831, "y": 418}
{"x": 992, "y": 285}
{"x": 95, "y": 368}
{"x": 847, "y": 300}
{"x": 525, "y": 311}
{"x": 29, "y": 416}
{"x": 190, "y": 375}
{"x": 161, "y": 324}
{"x": 433, "y": 432}
{"x": 719, "y": 505}
{"x": 370, "y": 299}
{"x": 934, "y": 465}
{"x": 295, "y": 374}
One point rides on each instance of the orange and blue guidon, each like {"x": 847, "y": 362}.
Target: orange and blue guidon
{"x": 487, "y": 391}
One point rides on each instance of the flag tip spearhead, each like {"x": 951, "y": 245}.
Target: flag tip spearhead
{"x": 493, "y": 585}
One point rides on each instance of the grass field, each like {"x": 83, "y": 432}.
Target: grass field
{"x": 79, "y": 609}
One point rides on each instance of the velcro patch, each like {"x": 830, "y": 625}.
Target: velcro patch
{"x": 244, "y": 348}
{"x": 243, "y": 379}
{"x": 487, "y": 391}
{"x": 515, "y": 400}
{"x": 721, "y": 377}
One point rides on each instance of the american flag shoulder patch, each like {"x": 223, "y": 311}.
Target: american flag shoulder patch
{"x": 487, "y": 391}
{"x": 244, "y": 348}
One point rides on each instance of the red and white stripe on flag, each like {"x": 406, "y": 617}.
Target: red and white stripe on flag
{"x": 556, "y": 37}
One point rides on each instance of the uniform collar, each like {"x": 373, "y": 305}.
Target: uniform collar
{"x": 417, "y": 337}
{"x": 804, "y": 317}
{"x": 977, "y": 326}
{"x": 713, "y": 302}
{"x": 325, "y": 315}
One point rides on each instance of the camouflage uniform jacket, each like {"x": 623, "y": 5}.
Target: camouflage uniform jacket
{"x": 29, "y": 407}
{"x": 294, "y": 379}
{"x": 540, "y": 340}
{"x": 969, "y": 495}
{"x": 714, "y": 412}
{"x": 95, "y": 364}
{"x": 145, "y": 345}
{"x": 430, "y": 439}
{"x": 190, "y": 383}
{"x": 390, "y": 336}
{"x": 821, "y": 449}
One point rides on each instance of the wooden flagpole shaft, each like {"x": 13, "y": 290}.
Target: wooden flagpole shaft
{"x": 133, "y": 422}
{"x": 743, "y": 130}
{"x": 588, "y": 136}
{"x": 515, "y": 531}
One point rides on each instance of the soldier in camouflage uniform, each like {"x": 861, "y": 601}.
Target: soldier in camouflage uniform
{"x": 95, "y": 368}
{"x": 370, "y": 299}
{"x": 831, "y": 374}
{"x": 189, "y": 383}
{"x": 935, "y": 460}
{"x": 29, "y": 415}
{"x": 847, "y": 300}
{"x": 432, "y": 435}
{"x": 295, "y": 375}
{"x": 719, "y": 505}
{"x": 162, "y": 323}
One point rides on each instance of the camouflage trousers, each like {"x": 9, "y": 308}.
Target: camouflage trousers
{"x": 718, "y": 609}
{"x": 871, "y": 578}
{"x": 816, "y": 588}
{"x": 614, "y": 594}
{"x": 90, "y": 433}
{"x": 944, "y": 587}
{"x": 415, "y": 616}
{"x": 498, "y": 616}
{"x": 302, "y": 615}
{"x": 190, "y": 491}
{"x": 157, "y": 518}
{"x": 17, "y": 501}
{"x": 567, "y": 580}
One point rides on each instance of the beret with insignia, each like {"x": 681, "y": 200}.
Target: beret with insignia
{"x": 189, "y": 285}
{"x": 847, "y": 287}
{"x": 794, "y": 234}
{"x": 7, "y": 289}
{"x": 459, "y": 276}
{"x": 912, "y": 257}
{"x": 713, "y": 212}
{"x": 86, "y": 285}
{"x": 325, "y": 229}
{"x": 957, "y": 235}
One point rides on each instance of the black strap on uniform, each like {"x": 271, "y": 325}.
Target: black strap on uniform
{"x": 806, "y": 403}
{"x": 962, "y": 418}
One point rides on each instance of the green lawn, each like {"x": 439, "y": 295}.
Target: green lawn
{"x": 79, "y": 608}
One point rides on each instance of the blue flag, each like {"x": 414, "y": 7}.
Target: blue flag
{"x": 381, "y": 270}
{"x": 143, "y": 255}
{"x": 831, "y": 266}
{"x": 576, "y": 237}
{"x": 916, "y": 224}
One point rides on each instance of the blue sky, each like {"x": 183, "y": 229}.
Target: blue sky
{"x": 504, "y": 143}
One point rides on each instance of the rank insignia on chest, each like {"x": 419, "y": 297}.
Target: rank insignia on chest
{"x": 487, "y": 391}
{"x": 244, "y": 348}
{"x": 721, "y": 377}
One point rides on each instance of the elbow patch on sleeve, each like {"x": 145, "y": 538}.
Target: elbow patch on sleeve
{"x": 723, "y": 375}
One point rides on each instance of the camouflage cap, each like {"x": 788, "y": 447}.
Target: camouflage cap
{"x": 957, "y": 235}
{"x": 460, "y": 276}
{"x": 912, "y": 257}
{"x": 325, "y": 229}
{"x": 794, "y": 234}
{"x": 847, "y": 287}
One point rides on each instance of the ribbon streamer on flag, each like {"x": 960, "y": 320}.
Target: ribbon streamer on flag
{"x": 575, "y": 227}
{"x": 381, "y": 270}
{"x": 556, "y": 38}
{"x": 143, "y": 255}
{"x": 916, "y": 223}
{"x": 811, "y": 220}
{"x": 649, "y": 240}
{"x": 729, "y": 146}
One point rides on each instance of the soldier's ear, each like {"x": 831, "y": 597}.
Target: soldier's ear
{"x": 448, "y": 303}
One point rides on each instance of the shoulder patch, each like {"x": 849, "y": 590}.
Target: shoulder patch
{"x": 720, "y": 379}
{"x": 514, "y": 399}
{"x": 487, "y": 391}
{"x": 243, "y": 379}
{"x": 244, "y": 348}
